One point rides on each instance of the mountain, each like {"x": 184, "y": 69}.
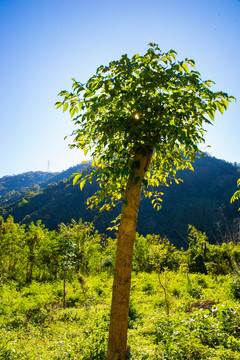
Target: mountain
{"x": 13, "y": 188}
{"x": 16, "y": 187}
{"x": 202, "y": 200}
{"x": 22, "y": 181}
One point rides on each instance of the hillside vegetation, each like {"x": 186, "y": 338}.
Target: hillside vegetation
{"x": 14, "y": 188}
{"x": 202, "y": 200}
{"x": 56, "y": 289}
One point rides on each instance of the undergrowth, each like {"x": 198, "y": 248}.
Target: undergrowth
{"x": 202, "y": 321}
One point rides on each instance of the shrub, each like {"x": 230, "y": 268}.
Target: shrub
{"x": 235, "y": 288}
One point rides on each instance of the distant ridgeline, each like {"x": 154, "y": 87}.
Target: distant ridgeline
{"x": 201, "y": 200}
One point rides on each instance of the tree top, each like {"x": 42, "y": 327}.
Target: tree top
{"x": 141, "y": 104}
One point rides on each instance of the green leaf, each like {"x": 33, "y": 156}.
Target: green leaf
{"x": 76, "y": 177}
{"x": 82, "y": 183}
{"x": 220, "y": 108}
{"x": 164, "y": 60}
{"x": 185, "y": 67}
{"x": 85, "y": 151}
{"x": 225, "y": 104}
{"x": 211, "y": 114}
{"x": 235, "y": 196}
{"x": 65, "y": 106}
{"x": 190, "y": 61}
{"x": 58, "y": 104}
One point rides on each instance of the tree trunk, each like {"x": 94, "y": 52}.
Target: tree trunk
{"x": 117, "y": 342}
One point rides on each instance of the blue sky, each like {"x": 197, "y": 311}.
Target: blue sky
{"x": 46, "y": 43}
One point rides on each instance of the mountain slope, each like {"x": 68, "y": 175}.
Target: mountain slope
{"x": 13, "y": 188}
{"x": 202, "y": 200}
{"x": 18, "y": 182}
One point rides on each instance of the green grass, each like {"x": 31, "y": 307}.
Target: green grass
{"x": 203, "y": 320}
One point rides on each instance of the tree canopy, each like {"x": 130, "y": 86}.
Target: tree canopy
{"x": 135, "y": 104}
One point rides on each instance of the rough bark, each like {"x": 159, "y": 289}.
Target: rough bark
{"x": 117, "y": 342}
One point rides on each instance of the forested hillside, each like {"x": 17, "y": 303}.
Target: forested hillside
{"x": 15, "y": 187}
{"x": 202, "y": 200}
{"x": 22, "y": 181}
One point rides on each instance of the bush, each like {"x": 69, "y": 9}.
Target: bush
{"x": 235, "y": 288}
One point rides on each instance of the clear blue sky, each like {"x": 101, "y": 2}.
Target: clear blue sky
{"x": 46, "y": 43}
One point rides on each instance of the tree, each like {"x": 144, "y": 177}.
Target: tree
{"x": 142, "y": 119}
{"x": 196, "y": 253}
{"x": 64, "y": 249}
{"x": 34, "y": 240}
{"x": 11, "y": 249}
{"x": 86, "y": 245}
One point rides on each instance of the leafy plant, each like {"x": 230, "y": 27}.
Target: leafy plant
{"x": 236, "y": 195}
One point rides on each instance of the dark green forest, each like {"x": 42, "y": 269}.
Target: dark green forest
{"x": 202, "y": 199}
